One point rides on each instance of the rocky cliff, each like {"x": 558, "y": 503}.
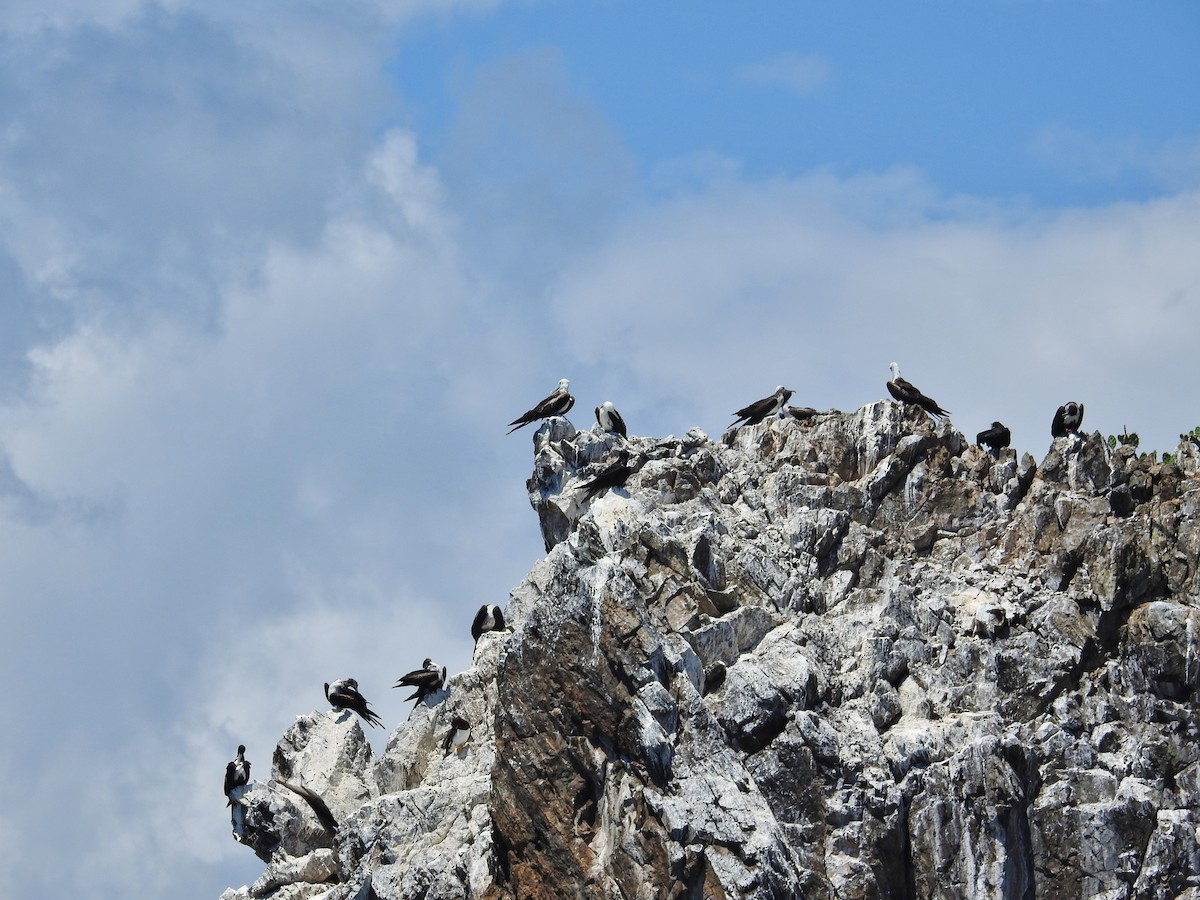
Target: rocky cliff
{"x": 847, "y": 657}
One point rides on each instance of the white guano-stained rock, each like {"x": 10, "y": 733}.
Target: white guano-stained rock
{"x": 849, "y": 656}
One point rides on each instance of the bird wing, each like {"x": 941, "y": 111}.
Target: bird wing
{"x": 618, "y": 424}
{"x": 418, "y": 678}
{"x": 358, "y": 703}
{"x": 930, "y": 405}
{"x": 556, "y": 404}
{"x": 1058, "y": 427}
{"x": 903, "y": 391}
{"x": 369, "y": 715}
{"x": 477, "y": 624}
{"x": 613, "y": 476}
{"x": 757, "y": 408}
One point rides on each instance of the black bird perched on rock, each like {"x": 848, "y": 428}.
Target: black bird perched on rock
{"x": 429, "y": 679}
{"x": 615, "y": 475}
{"x": 905, "y": 392}
{"x": 489, "y": 618}
{"x": 996, "y": 438}
{"x": 557, "y": 404}
{"x": 610, "y": 419}
{"x": 237, "y": 773}
{"x": 760, "y": 409}
{"x": 343, "y": 694}
{"x": 1067, "y": 419}
{"x": 803, "y": 413}
{"x": 459, "y": 734}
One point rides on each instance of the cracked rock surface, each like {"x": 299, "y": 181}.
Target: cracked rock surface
{"x": 846, "y": 657}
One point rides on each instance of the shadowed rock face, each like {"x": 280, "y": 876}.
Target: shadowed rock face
{"x": 849, "y": 656}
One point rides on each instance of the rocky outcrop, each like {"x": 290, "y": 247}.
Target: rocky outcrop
{"x": 846, "y": 657}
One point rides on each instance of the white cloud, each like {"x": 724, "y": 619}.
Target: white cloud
{"x": 819, "y": 283}
{"x": 251, "y": 477}
{"x": 795, "y": 72}
{"x": 1080, "y": 156}
{"x": 26, "y": 17}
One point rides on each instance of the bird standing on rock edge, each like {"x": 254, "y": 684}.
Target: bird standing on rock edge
{"x": 905, "y": 392}
{"x": 558, "y": 403}
{"x": 237, "y": 776}
{"x": 995, "y": 438}
{"x": 489, "y": 618}
{"x": 237, "y": 773}
{"x": 429, "y": 679}
{"x": 613, "y": 476}
{"x": 610, "y": 419}
{"x": 760, "y": 409}
{"x": 459, "y": 734}
{"x": 1067, "y": 419}
{"x": 343, "y": 694}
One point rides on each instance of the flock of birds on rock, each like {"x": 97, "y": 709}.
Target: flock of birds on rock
{"x": 428, "y": 680}
{"x": 344, "y": 694}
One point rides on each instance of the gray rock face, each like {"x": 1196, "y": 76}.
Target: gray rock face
{"x": 844, "y": 657}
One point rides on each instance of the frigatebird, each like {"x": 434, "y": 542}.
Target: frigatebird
{"x": 237, "y": 773}
{"x": 1067, "y": 419}
{"x": 343, "y": 694}
{"x": 995, "y": 438}
{"x": 610, "y": 419}
{"x": 905, "y": 392}
{"x": 760, "y": 409}
{"x": 429, "y": 679}
{"x": 489, "y": 618}
{"x": 557, "y": 404}
{"x": 613, "y": 476}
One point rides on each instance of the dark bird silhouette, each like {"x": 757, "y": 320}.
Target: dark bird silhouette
{"x": 237, "y": 773}
{"x": 803, "y": 413}
{"x": 557, "y": 404}
{"x": 316, "y": 804}
{"x": 760, "y": 409}
{"x": 343, "y": 694}
{"x": 614, "y": 475}
{"x": 610, "y": 419}
{"x": 429, "y": 679}
{"x": 1067, "y": 419}
{"x": 459, "y": 733}
{"x": 905, "y": 392}
{"x": 996, "y": 438}
{"x": 489, "y": 618}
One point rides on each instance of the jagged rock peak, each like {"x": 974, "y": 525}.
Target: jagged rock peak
{"x": 844, "y": 656}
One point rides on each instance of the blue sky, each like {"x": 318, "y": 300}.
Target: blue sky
{"x": 273, "y": 278}
{"x": 994, "y": 99}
